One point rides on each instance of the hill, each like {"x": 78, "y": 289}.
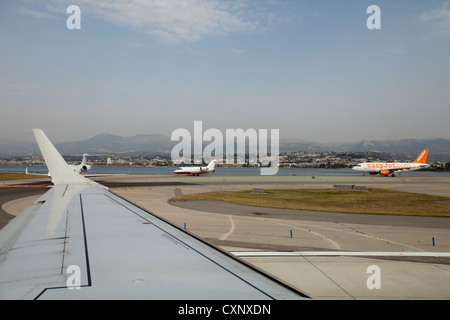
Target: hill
{"x": 159, "y": 144}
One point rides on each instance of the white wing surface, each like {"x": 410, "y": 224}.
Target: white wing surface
{"x": 80, "y": 241}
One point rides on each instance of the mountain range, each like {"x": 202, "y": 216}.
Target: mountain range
{"x": 160, "y": 144}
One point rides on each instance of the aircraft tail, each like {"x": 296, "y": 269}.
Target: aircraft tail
{"x": 60, "y": 171}
{"x": 84, "y": 161}
{"x": 211, "y": 165}
{"x": 422, "y": 158}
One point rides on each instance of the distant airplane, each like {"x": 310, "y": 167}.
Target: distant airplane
{"x": 196, "y": 171}
{"x": 80, "y": 168}
{"x": 391, "y": 168}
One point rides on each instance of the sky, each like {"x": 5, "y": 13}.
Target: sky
{"x": 312, "y": 69}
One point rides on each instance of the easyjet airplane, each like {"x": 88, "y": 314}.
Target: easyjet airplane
{"x": 391, "y": 168}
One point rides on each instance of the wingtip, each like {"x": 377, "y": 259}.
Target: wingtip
{"x": 60, "y": 171}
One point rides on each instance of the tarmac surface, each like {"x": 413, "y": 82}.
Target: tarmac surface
{"x": 324, "y": 255}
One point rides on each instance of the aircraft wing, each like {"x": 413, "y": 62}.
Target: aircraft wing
{"x": 80, "y": 241}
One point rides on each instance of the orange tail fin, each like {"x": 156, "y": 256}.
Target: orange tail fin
{"x": 422, "y": 158}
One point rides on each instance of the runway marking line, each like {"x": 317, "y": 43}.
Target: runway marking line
{"x": 185, "y": 188}
{"x": 395, "y": 185}
{"x": 226, "y": 235}
{"x": 136, "y": 192}
{"x": 324, "y": 237}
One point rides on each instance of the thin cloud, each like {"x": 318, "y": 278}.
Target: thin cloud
{"x": 237, "y": 52}
{"x": 35, "y": 13}
{"x": 440, "y": 18}
{"x": 174, "y": 20}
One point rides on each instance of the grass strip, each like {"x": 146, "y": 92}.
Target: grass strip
{"x": 371, "y": 201}
{"x": 5, "y": 176}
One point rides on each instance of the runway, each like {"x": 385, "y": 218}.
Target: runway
{"x": 325, "y": 255}
{"x": 12, "y": 193}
